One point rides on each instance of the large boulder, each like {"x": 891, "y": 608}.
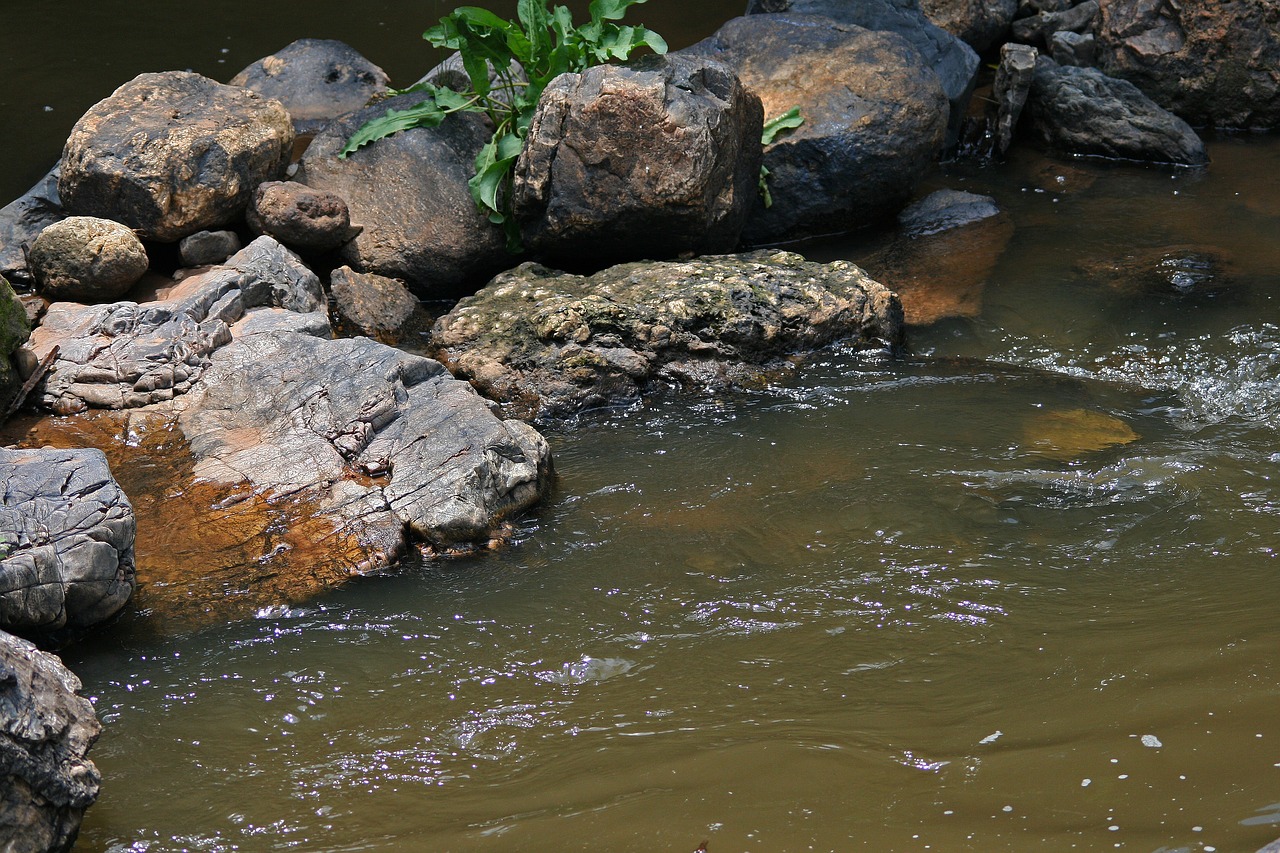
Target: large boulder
{"x": 66, "y": 542}
{"x": 409, "y": 194}
{"x": 1212, "y": 63}
{"x": 549, "y": 344}
{"x": 317, "y": 80}
{"x": 644, "y": 161}
{"x": 87, "y": 259}
{"x": 173, "y": 153}
{"x": 46, "y": 729}
{"x": 874, "y": 120}
{"x": 22, "y": 220}
{"x": 981, "y": 24}
{"x": 1083, "y": 111}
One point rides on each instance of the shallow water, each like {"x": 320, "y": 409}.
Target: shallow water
{"x": 1012, "y": 592}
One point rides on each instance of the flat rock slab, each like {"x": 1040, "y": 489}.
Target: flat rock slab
{"x": 46, "y": 730}
{"x": 66, "y": 541}
{"x": 549, "y": 344}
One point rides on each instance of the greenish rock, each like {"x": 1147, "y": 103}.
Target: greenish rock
{"x": 549, "y": 344}
{"x": 14, "y": 331}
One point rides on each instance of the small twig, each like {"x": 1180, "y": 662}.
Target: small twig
{"x": 34, "y": 379}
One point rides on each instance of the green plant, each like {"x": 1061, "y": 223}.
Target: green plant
{"x": 542, "y": 43}
{"x": 773, "y": 128}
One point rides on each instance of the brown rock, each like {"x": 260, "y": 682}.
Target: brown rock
{"x": 980, "y": 23}
{"x": 301, "y": 217}
{"x": 377, "y": 306}
{"x": 86, "y": 259}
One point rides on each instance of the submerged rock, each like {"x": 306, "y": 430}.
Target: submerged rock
{"x": 1070, "y": 433}
{"x": 549, "y": 344}
{"x": 66, "y": 542}
{"x": 86, "y": 259}
{"x": 173, "y": 153}
{"x": 22, "y": 220}
{"x": 46, "y": 729}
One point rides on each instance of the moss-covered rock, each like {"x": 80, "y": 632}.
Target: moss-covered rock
{"x": 13, "y": 333}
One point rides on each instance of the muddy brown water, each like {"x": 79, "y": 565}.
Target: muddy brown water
{"x": 1013, "y": 592}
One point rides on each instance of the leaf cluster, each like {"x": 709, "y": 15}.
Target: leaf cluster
{"x": 508, "y": 65}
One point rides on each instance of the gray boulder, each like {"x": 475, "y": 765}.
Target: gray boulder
{"x": 205, "y": 248}
{"x": 1040, "y": 29}
{"x": 409, "y": 194}
{"x": 22, "y": 220}
{"x": 981, "y": 24}
{"x": 1211, "y": 63}
{"x": 173, "y": 153}
{"x": 317, "y": 80}
{"x": 1083, "y": 111}
{"x": 46, "y": 729}
{"x": 1068, "y": 48}
{"x": 126, "y": 354}
{"x": 874, "y": 120}
{"x": 303, "y": 218}
{"x": 86, "y": 259}
{"x": 548, "y": 344}
{"x": 1012, "y": 86}
{"x": 66, "y": 542}
{"x": 644, "y": 161}
{"x": 374, "y": 305}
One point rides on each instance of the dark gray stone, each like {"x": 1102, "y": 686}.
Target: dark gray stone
{"x": 173, "y": 153}
{"x": 1012, "y": 86}
{"x": 66, "y": 542}
{"x": 204, "y": 248}
{"x": 874, "y": 120}
{"x": 1083, "y": 111}
{"x": 377, "y": 306}
{"x": 303, "y": 218}
{"x": 46, "y": 729}
{"x": 944, "y": 210}
{"x": 86, "y": 259}
{"x": 22, "y": 220}
{"x": 649, "y": 160}
{"x": 317, "y": 80}
{"x": 1039, "y": 29}
{"x": 981, "y": 24}
{"x": 548, "y": 344}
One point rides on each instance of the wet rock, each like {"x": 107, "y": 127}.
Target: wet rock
{"x": 377, "y": 306}
{"x": 22, "y": 220}
{"x": 173, "y": 153}
{"x": 549, "y": 344}
{"x": 15, "y": 326}
{"x": 955, "y": 63}
{"x": 1066, "y": 434}
{"x": 317, "y": 80}
{"x": 409, "y": 194}
{"x": 66, "y": 542}
{"x": 1209, "y": 62}
{"x": 1169, "y": 270}
{"x": 46, "y": 729}
{"x": 649, "y": 160}
{"x": 204, "y": 248}
{"x": 86, "y": 259}
{"x": 1074, "y": 49}
{"x": 874, "y": 114}
{"x": 1083, "y": 111}
{"x": 303, "y": 218}
{"x": 981, "y": 24}
{"x": 126, "y": 354}
{"x": 1039, "y": 29}
{"x": 1012, "y": 85}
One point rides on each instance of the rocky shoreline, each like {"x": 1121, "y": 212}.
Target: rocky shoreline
{"x": 265, "y": 375}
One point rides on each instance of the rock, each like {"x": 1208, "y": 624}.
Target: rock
{"x": 46, "y": 729}
{"x": 1068, "y": 48}
{"x": 66, "y": 542}
{"x": 548, "y": 344}
{"x": 409, "y": 193}
{"x": 981, "y": 24}
{"x": 15, "y": 327}
{"x": 125, "y": 354}
{"x": 649, "y": 160}
{"x": 204, "y": 248}
{"x": 305, "y": 219}
{"x": 379, "y": 307}
{"x": 1083, "y": 111}
{"x": 1177, "y": 270}
{"x": 1066, "y": 434}
{"x": 317, "y": 80}
{"x": 1026, "y": 8}
{"x": 1039, "y": 29}
{"x": 945, "y": 209}
{"x": 1012, "y": 87}
{"x": 874, "y": 114}
{"x": 1211, "y": 63}
{"x": 86, "y": 259}
{"x": 22, "y": 220}
{"x": 173, "y": 153}
{"x": 955, "y": 63}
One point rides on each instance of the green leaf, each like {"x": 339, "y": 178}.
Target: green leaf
{"x": 610, "y": 10}
{"x": 779, "y": 124}
{"x": 426, "y": 114}
{"x": 763, "y": 187}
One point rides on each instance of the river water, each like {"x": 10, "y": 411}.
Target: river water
{"x": 1014, "y": 591}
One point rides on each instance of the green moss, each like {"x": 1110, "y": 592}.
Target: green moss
{"x": 14, "y": 330}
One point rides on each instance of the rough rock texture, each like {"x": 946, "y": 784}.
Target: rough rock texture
{"x": 15, "y": 326}
{"x": 317, "y": 80}
{"x": 644, "y": 161}
{"x": 979, "y": 23}
{"x": 86, "y": 259}
{"x": 1083, "y": 111}
{"x": 945, "y": 209}
{"x": 127, "y": 354}
{"x": 1168, "y": 270}
{"x": 409, "y": 193}
{"x": 874, "y": 115}
{"x": 22, "y": 220}
{"x": 377, "y": 306}
{"x": 66, "y": 541}
{"x": 1211, "y": 62}
{"x": 1012, "y": 85}
{"x": 549, "y": 344}
{"x": 1040, "y": 29}
{"x": 955, "y": 63}
{"x": 305, "y": 219}
{"x": 46, "y": 730}
{"x": 1074, "y": 49}
{"x": 204, "y": 248}
{"x": 173, "y": 153}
